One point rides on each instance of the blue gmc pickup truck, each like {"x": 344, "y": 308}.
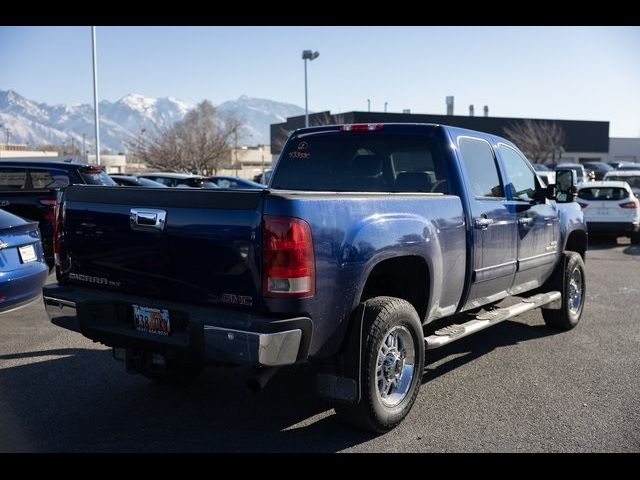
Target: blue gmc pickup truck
{"x": 366, "y": 234}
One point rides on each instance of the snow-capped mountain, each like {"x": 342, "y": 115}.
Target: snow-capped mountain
{"x": 258, "y": 114}
{"x": 40, "y": 124}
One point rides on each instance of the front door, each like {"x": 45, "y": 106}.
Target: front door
{"x": 537, "y": 222}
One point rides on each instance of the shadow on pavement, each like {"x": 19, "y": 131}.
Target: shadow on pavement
{"x": 476, "y": 345}
{"x": 87, "y": 402}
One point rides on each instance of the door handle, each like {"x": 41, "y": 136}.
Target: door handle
{"x": 146, "y": 219}
{"x": 525, "y": 221}
{"x": 482, "y": 223}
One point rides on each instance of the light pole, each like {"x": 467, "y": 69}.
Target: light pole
{"x": 368, "y": 105}
{"x": 307, "y": 55}
{"x": 262, "y": 153}
{"x": 385, "y": 107}
{"x": 95, "y": 93}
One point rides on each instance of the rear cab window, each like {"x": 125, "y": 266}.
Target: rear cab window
{"x": 48, "y": 178}
{"x": 361, "y": 162}
{"x": 13, "y": 178}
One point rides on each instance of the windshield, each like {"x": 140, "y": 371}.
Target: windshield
{"x": 599, "y": 166}
{"x": 95, "y": 176}
{"x": 360, "y": 162}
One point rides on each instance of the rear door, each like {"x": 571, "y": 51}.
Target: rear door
{"x": 494, "y": 232}
{"x": 537, "y": 221}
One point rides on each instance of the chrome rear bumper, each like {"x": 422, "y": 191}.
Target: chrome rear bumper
{"x": 285, "y": 346}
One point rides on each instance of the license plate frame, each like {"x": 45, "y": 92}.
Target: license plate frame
{"x": 155, "y": 321}
{"x": 27, "y": 253}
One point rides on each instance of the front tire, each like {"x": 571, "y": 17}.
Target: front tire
{"x": 569, "y": 278}
{"x": 392, "y": 365}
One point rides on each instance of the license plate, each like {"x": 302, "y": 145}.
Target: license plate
{"x": 151, "y": 320}
{"x": 27, "y": 254}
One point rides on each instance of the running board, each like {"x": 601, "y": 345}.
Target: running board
{"x": 454, "y": 332}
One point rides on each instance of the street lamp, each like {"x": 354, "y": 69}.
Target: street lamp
{"x": 95, "y": 93}
{"x": 368, "y": 105}
{"x": 307, "y": 55}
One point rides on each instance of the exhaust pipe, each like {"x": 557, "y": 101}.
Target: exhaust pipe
{"x": 260, "y": 378}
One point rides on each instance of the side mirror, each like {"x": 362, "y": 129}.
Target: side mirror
{"x": 550, "y": 192}
{"x": 565, "y": 187}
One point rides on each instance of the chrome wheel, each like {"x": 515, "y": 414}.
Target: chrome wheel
{"x": 395, "y": 366}
{"x": 575, "y": 291}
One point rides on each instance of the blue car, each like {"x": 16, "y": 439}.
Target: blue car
{"x": 23, "y": 271}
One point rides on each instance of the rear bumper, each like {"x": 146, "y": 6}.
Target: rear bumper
{"x": 20, "y": 287}
{"x": 211, "y": 335}
{"x": 613, "y": 228}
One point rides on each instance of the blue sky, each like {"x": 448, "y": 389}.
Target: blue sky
{"x": 582, "y": 73}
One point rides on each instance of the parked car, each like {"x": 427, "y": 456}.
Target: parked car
{"x": 544, "y": 172}
{"x": 133, "y": 181}
{"x": 23, "y": 270}
{"x": 367, "y": 234}
{"x": 632, "y": 177}
{"x": 599, "y": 169}
{"x": 180, "y": 180}
{"x": 620, "y": 165}
{"x": 29, "y": 189}
{"x": 581, "y": 172}
{"x": 610, "y": 208}
{"x": 628, "y": 166}
{"x": 234, "y": 182}
{"x": 263, "y": 179}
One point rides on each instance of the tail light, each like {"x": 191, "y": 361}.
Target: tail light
{"x": 361, "y": 127}
{"x": 288, "y": 260}
{"x": 583, "y": 205}
{"x": 632, "y": 204}
{"x": 57, "y": 233}
{"x": 50, "y": 213}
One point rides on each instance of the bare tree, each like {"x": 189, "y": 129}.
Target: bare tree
{"x": 200, "y": 143}
{"x": 539, "y": 141}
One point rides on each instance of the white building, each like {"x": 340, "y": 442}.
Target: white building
{"x": 21, "y": 151}
{"x": 624, "y": 149}
{"x": 248, "y": 162}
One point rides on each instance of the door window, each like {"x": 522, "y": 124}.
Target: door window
{"x": 522, "y": 179}
{"x": 480, "y": 165}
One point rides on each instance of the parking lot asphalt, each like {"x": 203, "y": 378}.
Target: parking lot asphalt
{"x": 515, "y": 387}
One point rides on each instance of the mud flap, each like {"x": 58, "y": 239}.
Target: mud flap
{"x": 346, "y": 386}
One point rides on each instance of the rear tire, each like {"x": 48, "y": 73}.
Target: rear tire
{"x": 569, "y": 280}
{"x": 635, "y": 238}
{"x": 392, "y": 365}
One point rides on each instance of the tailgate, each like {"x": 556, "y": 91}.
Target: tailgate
{"x": 204, "y": 250}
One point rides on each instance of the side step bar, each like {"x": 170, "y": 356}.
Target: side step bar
{"x": 454, "y": 332}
